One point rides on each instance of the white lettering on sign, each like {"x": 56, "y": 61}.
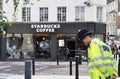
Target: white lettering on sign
{"x": 45, "y": 27}
{"x": 45, "y": 30}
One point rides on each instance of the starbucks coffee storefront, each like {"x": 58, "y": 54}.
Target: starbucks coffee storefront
{"x": 44, "y": 41}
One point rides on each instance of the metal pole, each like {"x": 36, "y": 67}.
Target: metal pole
{"x": 80, "y": 59}
{"x": 70, "y": 65}
{"x": 33, "y": 65}
{"x": 28, "y": 69}
{"x": 77, "y": 68}
{"x": 57, "y": 60}
{"x": 119, "y": 66}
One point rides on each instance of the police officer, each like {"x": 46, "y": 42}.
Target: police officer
{"x": 101, "y": 62}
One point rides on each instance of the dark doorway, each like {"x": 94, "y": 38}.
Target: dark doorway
{"x": 71, "y": 46}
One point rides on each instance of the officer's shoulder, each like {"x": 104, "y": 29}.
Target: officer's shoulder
{"x": 92, "y": 44}
{"x": 96, "y": 42}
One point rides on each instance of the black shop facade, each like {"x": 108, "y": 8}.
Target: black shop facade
{"x": 44, "y": 41}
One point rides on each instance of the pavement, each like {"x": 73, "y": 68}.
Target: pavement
{"x": 43, "y": 70}
{"x": 47, "y": 77}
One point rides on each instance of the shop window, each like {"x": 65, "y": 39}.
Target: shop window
{"x": 42, "y": 46}
{"x": 26, "y": 46}
{"x": 19, "y": 46}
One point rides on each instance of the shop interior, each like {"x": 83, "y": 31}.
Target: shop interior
{"x": 26, "y": 46}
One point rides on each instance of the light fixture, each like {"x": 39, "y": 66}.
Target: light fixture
{"x": 13, "y": 38}
{"x": 43, "y": 38}
{"x": 37, "y": 42}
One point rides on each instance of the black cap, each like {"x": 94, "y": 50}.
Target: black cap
{"x": 82, "y": 33}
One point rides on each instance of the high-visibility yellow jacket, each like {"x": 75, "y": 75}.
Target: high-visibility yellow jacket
{"x": 101, "y": 62}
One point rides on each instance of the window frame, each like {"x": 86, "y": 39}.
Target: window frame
{"x": 26, "y": 14}
{"x": 43, "y": 14}
{"x": 61, "y": 14}
{"x": 99, "y": 14}
{"x": 80, "y": 13}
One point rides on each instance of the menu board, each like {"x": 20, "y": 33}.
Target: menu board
{"x": 61, "y": 43}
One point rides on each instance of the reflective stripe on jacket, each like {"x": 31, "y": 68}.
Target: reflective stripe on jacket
{"x": 101, "y": 61}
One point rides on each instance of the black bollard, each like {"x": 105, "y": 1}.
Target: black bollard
{"x": 80, "y": 58}
{"x": 119, "y": 66}
{"x": 70, "y": 65}
{"x": 28, "y": 69}
{"x": 33, "y": 65}
{"x": 57, "y": 60}
{"x": 77, "y": 68}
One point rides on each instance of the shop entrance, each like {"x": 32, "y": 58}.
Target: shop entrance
{"x": 67, "y": 42}
{"x": 71, "y": 45}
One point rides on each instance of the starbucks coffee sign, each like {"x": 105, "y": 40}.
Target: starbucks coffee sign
{"x": 45, "y": 27}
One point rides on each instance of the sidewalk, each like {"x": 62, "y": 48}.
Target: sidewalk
{"x": 49, "y": 77}
{"x": 44, "y": 70}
